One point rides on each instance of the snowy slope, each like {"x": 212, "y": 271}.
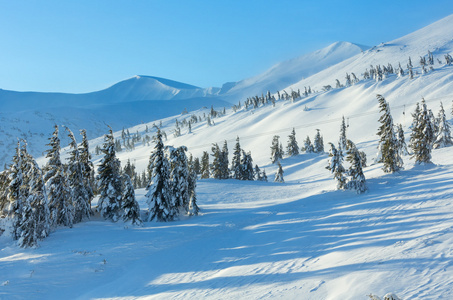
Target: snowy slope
{"x": 254, "y": 240}
{"x": 291, "y": 71}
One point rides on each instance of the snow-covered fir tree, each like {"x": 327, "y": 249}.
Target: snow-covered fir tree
{"x": 279, "y": 174}
{"x": 247, "y": 166}
{"x": 204, "y": 167}
{"x": 215, "y": 167}
{"x": 276, "y": 151}
{"x": 193, "y": 208}
{"x": 224, "y": 165}
{"x": 58, "y": 190}
{"x": 402, "y": 147}
{"x": 308, "y": 146}
{"x": 422, "y": 136}
{"x": 15, "y": 193}
{"x": 236, "y": 161}
{"x": 357, "y": 179}
{"x": 292, "y": 148}
{"x": 443, "y": 136}
{"x": 335, "y": 166}
{"x": 109, "y": 181}
{"x": 179, "y": 179}
{"x": 159, "y": 198}
{"x": 130, "y": 207}
{"x": 196, "y": 166}
{"x": 342, "y": 141}
{"x": 388, "y": 151}
{"x": 318, "y": 142}
{"x": 81, "y": 198}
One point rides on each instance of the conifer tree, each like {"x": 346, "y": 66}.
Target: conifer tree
{"x": 236, "y": 161}
{"x": 58, "y": 191}
{"x": 81, "y": 196}
{"x": 279, "y": 174}
{"x": 292, "y": 148}
{"x": 204, "y": 168}
{"x": 158, "y": 196}
{"x": 318, "y": 143}
{"x": 216, "y": 171}
{"x": 443, "y": 137}
{"x": 308, "y": 146}
{"x": 224, "y": 170}
{"x": 276, "y": 153}
{"x": 422, "y": 136}
{"x": 193, "y": 208}
{"x": 357, "y": 181}
{"x": 342, "y": 141}
{"x": 196, "y": 166}
{"x": 179, "y": 178}
{"x": 388, "y": 151}
{"x": 15, "y": 193}
{"x": 402, "y": 147}
{"x": 130, "y": 207}
{"x": 335, "y": 166}
{"x": 109, "y": 181}
{"x": 247, "y": 166}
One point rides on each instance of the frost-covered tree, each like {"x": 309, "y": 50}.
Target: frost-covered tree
{"x": 279, "y": 174}
{"x": 443, "y": 136}
{"x": 81, "y": 198}
{"x": 15, "y": 193}
{"x": 318, "y": 142}
{"x": 193, "y": 208}
{"x": 179, "y": 178}
{"x": 109, "y": 181}
{"x": 58, "y": 190}
{"x": 196, "y": 166}
{"x": 292, "y": 148}
{"x": 224, "y": 163}
{"x": 204, "y": 167}
{"x": 215, "y": 167}
{"x": 308, "y": 146}
{"x": 388, "y": 151}
{"x": 402, "y": 147}
{"x": 159, "y": 197}
{"x": 422, "y": 136}
{"x": 130, "y": 207}
{"x": 247, "y": 166}
{"x": 342, "y": 141}
{"x": 357, "y": 179}
{"x": 276, "y": 153}
{"x": 236, "y": 161}
{"x": 335, "y": 166}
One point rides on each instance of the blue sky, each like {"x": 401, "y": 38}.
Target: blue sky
{"x": 82, "y": 46}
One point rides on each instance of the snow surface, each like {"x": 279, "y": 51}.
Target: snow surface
{"x": 300, "y": 239}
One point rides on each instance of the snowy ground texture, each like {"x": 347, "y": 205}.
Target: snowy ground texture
{"x": 254, "y": 240}
{"x": 301, "y": 239}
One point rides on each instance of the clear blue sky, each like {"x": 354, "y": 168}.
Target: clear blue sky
{"x": 82, "y": 46}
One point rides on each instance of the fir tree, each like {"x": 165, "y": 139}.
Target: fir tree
{"x": 158, "y": 196}
{"x": 15, "y": 193}
{"x": 443, "y": 137}
{"x": 335, "y": 166}
{"x": 247, "y": 166}
{"x": 179, "y": 178}
{"x": 216, "y": 171}
{"x": 81, "y": 196}
{"x": 130, "y": 207}
{"x": 276, "y": 153}
{"x": 193, "y": 208}
{"x": 236, "y": 161}
{"x": 196, "y": 166}
{"x": 109, "y": 181}
{"x": 318, "y": 143}
{"x": 422, "y": 136}
{"x": 279, "y": 174}
{"x": 388, "y": 153}
{"x": 357, "y": 181}
{"x": 308, "y": 146}
{"x": 292, "y": 148}
{"x": 58, "y": 190}
{"x": 224, "y": 163}
{"x": 343, "y": 139}
{"x": 204, "y": 168}
{"x": 402, "y": 147}
{"x": 88, "y": 167}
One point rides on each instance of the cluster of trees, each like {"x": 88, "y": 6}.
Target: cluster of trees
{"x": 241, "y": 164}
{"x": 36, "y": 201}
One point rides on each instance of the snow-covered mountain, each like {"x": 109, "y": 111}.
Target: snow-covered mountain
{"x": 256, "y": 240}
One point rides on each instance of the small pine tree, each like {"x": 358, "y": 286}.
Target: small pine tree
{"x": 179, "y": 178}
{"x": 204, "y": 168}
{"x": 276, "y": 151}
{"x": 216, "y": 171}
{"x": 388, "y": 153}
{"x": 318, "y": 143}
{"x": 193, "y": 208}
{"x": 236, "y": 161}
{"x": 130, "y": 207}
{"x": 422, "y": 136}
{"x": 292, "y": 148}
{"x": 109, "y": 181}
{"x": 401, "y": 141}
{"x": 357, "y": 181}
{"x": 443, "y": 136}
{"x": 160, "y": 206}
{"x": 247, "y": 166}
{"x": 335, "y": 166}
{"x": 308, "y": 146}
{"x": 279, "y": 174}
{"x": 342, "y": 141}
{"x": 224, "y": 170}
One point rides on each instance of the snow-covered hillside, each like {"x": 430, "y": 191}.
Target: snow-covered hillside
{"x": 301, "y": 239}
